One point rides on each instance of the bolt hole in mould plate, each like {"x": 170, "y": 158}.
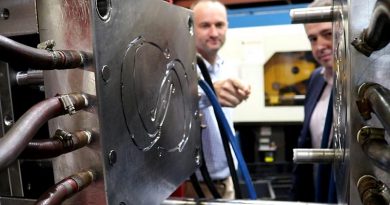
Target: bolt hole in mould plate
{"x": 147, "y": 96}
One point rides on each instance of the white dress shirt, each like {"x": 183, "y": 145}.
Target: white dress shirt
{"x": 213, "y": 149}
{"x": 317, "y": 121}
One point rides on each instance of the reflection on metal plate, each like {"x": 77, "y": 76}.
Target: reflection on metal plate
{"x": 147, "y": 97}
{"x": 353, "y": 69}
{"x": 146, "y": 106}
{"x": 68, "y": 23}
{"x": 341, "y": 142}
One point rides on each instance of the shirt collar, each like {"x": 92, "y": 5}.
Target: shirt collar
{"x": 328, "y": 76}
{"x": 214, "y": 68}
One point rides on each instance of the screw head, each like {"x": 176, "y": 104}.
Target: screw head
{"x": 112, "y": 157}
{"x": 106, "y": 73}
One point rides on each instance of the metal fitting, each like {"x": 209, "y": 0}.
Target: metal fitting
{"x": 372, "y": 191}
{"x": 310, "y": 156}
{"x": 73, "y": 102}
{"x": 83, "y": 179}
{"x": 68, "y": 104}
{"x": 312, "y": 15}
{"x": 367, "y": 132}
{"x": 363, "y": 103}
{"x": 31, "y": 77}
{"x": 47, "y": 45}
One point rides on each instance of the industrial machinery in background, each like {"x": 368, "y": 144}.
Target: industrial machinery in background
{"x": 361, "y": 103}
{"x": 286, "y": 76}
{"x": 108, "y": 101}
{"x": 114, "y": 84}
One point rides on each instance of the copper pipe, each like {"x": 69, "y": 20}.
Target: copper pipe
{"x": 375, "y": 98}
{"x": 66, "y": 188}
{"x": 375, "y": 146}
{"x": 377, "y": 35}
{"x": 21, "y": 133}
{"x": 14, "y": 52}
{"x": 62, "y": 142}
{"x": 372, "y": 191}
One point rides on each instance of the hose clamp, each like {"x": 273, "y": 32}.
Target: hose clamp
{"x": 68, "y": 104}
{"x": 64, "y": 137}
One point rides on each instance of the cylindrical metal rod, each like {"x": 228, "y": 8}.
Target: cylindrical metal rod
{"x": 62, "y": 142}
{"x": 66, "y": 188}
{"x": 31, "y": 77}
{"x": 312, "y": 15}
{"x": 21, "y": 133}
{"x": 14, "y": 52}
{"x": 378, "y": 99}
{"x": 310, "y": 156}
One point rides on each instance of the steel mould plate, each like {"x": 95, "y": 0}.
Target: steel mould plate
{"x": 147, "y": 97}
{"x": 18, "y": 17}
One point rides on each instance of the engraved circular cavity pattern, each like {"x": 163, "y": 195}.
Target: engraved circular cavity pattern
{"x": 155, "y": 97}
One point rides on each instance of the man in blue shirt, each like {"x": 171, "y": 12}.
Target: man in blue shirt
{"x": 210, "y": 22}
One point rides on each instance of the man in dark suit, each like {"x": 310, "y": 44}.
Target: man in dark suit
{"x": 311, "y": 182}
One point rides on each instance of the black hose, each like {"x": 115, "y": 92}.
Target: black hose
{"x": 207, "y": 179}
{"x": 195, "y": 184}
{"x": 225, "y": 141}
{"x": 205, "y": 72}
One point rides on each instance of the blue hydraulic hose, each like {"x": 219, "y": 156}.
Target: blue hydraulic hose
{"x": 221, "y": 117}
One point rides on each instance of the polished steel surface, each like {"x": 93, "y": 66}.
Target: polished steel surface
{"x": 364, "y": 69}
{"x": 18, "y": 17}
{"x": 352, "y": 70}
{"x": 68, "y": 23}
{"x": 302, "y": 156}
{"x": 341, "y": 100}
{"x": 312, "y": 15}
{"x": 31, "y": 77}
{"x": 147, "y": 96}
{"x": 143, "y": 88}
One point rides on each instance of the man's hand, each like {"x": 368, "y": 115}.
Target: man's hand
{"x": 231, "y": 92}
